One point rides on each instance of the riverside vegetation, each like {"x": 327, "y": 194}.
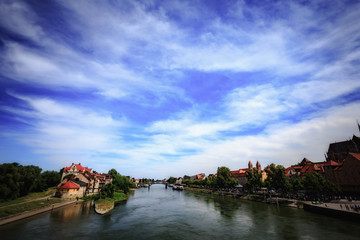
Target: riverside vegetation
{"x": 311, "y": 186}
{"x": 111, "y": 193}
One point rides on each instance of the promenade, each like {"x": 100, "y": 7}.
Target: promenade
{"x": 342, "y": 209}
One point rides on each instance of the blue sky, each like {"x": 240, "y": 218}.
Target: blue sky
{"x": 166, "y": 88}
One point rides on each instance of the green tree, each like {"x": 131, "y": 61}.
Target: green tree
{"x": 316, "y": 185}
{"x": 121, "y": 183}
{"x": 224, "y": 178}
{"x": 296, "y": 184}
{"x": 50, "y": 179}
{"x": 171, "y": 180}
{"x": 9, "y": 181}
{"x": 113, "y": 173}
{"x": 17, "y": 180}
{"x": 253, "y": 180}
{"x": 107, "y": 191}
{"x": 276, "y": 178}
{"x": 30, "y": 179}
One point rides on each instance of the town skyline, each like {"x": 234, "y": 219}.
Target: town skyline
{"x": 157, "y": 89}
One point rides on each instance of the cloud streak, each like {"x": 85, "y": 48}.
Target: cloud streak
{"x": 179, "y": 87}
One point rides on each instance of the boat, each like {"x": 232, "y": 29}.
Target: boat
{"x": 178, "y": 187}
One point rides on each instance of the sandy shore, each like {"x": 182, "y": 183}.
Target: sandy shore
{"x": 27, "y": 214}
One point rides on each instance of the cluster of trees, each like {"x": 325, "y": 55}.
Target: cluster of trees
{"x": 313, "y": 183}
{"x": 119, "y": 183}
{"x": 223, "y": 179}
{"x": 17, "y": 180}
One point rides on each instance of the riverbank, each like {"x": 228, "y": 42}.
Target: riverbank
{"x": 103, "y": 206}
{"x": 26, "y": 214}
{"x": 342, "y": 209}
{"x": 339, "y": 209}
{"x": 251, "y": 197}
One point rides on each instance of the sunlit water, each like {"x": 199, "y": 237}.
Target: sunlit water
{"x": 161, "y": 213}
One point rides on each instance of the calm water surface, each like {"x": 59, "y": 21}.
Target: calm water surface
{"x": 161, "y": 213}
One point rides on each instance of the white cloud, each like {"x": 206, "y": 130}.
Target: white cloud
{"x": 130, "y": 53}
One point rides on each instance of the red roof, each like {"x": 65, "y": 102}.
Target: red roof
{"x": 355, "y": 155}
{"x": 78, "y": 167}
{"x": 200, "y": 176}
{"x": 331, "y": 163}
{"x": 69, "y": 185}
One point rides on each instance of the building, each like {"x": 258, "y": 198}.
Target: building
{"x": 240, "y": 174}
{"x": 79, "y": 181}
{"x": 347, "y": 174}
{"x": 342, "y": 166}
{"x": 195, "y": 177}
{"x": 338, "y": 151}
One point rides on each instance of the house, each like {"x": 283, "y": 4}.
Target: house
{"x": 79, "y": 181}
{"x": 195, "y": 177}
{"x": 69, "y": 190}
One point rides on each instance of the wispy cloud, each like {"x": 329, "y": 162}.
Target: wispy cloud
{"x": 119, "y": 83}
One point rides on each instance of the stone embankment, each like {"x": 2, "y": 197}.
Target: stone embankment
{"x": 346, "y": 210}
{"x": 103, "y": 208}
{"x": 27, "y": 214}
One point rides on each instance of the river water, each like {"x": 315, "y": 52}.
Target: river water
{"x": 160, "y": 213}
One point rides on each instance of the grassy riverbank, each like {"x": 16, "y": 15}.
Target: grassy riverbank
{"x": 29, "y": 202}
{"x": 105, "y": 205}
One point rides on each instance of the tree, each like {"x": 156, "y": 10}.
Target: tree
{"x": 17, "y": 180}
{"x": 49, "y": 179}
{"x": 107, "y": 191}
{"x": 121, "y": 183}
{"x": 30, "y": 179}
{"x": 253, "y": 180}
{"x": 276, "y": 177}
{"x": 171, "y": 180}
{"x": 316, "y": 185}
{"x": 9, "y": 181}
{"x": 113, "y": 173}
{"x": 224, "y": 178}
{"x": 296, "y": 184}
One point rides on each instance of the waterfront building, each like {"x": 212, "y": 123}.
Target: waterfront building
{"x": 195, "y": 177}
{"x": 240, "y": 174}
{"x": 79, "y": 181}
{"x": 342, "y": 166}
{"x": 338, "y": 151}
{"x": 347, "y": 174}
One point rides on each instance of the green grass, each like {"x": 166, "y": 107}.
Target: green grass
{"x": 29, "y": 197}
{"x": 26, "y": 206}
{"x": 90, "y": 197}
{"x": 104, "y": 204}
{"x": 119, "y": 196}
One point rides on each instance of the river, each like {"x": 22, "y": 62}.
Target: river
{"x": 160, "y": 213}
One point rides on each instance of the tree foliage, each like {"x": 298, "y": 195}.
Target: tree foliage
{"x": 171, "y": 180}
{"x": 121, "y": 183}
{"x": 316, "y": 185}
{"x": 276, "y": 178}
{"x": 107, "y": 191}
{"x": 224, "y": 178}
{"x": 17, "y": 180}
{"x": 49, "y": 179}
{"x": 253, "y": 181}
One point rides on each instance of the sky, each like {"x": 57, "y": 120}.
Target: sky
{"x": 170, "y": 88}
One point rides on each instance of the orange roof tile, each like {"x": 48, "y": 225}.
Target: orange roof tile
{"x": 69, "y": 185}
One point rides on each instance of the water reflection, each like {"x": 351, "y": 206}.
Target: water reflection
{"x": 161, "y": 213}
{"x": 73, "y": 212}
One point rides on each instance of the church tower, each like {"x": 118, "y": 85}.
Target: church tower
{"x": 250, "y": 165}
